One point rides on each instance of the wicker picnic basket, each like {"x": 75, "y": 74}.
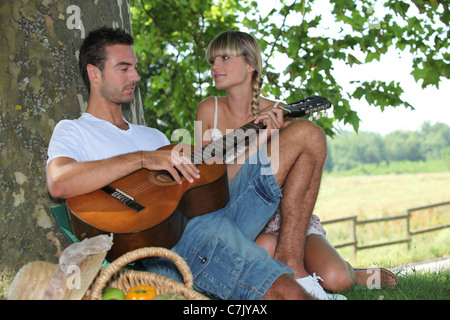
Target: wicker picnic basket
{"x": 113, "y": 276}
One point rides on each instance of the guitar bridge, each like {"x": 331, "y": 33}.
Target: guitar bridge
{"x": 123, "y": 198}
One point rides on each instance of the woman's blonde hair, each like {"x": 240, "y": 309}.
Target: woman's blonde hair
{"x": 237, "y": 43}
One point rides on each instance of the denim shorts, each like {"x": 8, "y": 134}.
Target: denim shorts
{"x": 219, "y": 246}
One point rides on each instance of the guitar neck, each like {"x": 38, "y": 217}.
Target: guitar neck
{"x": 228, "y": 142}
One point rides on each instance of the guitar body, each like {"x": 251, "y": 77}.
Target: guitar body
{"x": 165, "y": 207}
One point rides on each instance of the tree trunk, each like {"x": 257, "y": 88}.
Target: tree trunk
{"x": 40, "y": 85}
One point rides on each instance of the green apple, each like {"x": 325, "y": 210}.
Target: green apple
{"x": 113, "y": 294}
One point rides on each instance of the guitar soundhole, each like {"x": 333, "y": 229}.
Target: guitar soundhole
{"x": 161, "y": 178}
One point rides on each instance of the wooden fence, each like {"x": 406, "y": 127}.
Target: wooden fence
{"x": 354, "y": 222}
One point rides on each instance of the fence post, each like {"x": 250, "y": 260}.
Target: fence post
{"x": 408, "y": 227}
{"x": 355, "y": 242}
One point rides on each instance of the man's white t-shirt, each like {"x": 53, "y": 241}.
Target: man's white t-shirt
{"x": 89, "y": 138}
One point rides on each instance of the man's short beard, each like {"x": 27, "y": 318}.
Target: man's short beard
{"x": 114, "y": 95}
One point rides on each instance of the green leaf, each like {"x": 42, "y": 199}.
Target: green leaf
{"x": 373, "y": 56}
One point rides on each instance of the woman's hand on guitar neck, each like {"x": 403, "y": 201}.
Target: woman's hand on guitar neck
{"x": 273, "y": 120}
{"x": 172, "y": 161}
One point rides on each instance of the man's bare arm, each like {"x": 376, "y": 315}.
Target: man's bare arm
{"x": 68, "y": 178}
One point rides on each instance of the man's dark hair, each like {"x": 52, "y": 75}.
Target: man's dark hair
{"x": 93, "y": 49}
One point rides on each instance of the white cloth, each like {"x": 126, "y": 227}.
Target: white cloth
{"x": 89, "y": 139}
{"x": 216, "y": 134}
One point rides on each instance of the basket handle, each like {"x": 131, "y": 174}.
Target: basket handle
{"x": 141, "y": 253}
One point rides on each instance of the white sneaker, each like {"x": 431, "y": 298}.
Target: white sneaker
{"x": 312, "y": 286}
{"x": 335, "y": 296}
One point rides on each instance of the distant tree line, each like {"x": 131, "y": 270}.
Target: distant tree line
{"x": 349, "y": 150}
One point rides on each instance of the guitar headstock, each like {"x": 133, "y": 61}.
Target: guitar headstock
{"x": 306, "y": 106}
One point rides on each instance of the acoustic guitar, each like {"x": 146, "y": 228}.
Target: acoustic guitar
{"x": 149, "y": 208}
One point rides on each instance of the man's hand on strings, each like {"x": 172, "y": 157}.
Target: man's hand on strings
{"x": 172, "y": 161}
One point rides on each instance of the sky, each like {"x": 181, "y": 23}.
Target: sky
{"x": 431, "y": 104}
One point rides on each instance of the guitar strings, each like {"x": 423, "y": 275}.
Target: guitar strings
{"x": 137, "y": 186}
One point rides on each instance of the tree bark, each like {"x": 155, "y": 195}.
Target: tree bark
{"x": 39, "y": 86}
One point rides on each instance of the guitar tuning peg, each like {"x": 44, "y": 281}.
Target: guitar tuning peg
{"x": 317, "y": 116}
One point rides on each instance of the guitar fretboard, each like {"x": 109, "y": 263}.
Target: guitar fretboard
{"x": 228, "y": 144}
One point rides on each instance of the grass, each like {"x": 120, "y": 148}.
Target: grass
{"x": 414, "y": 286}
{"x": 381, "y": 195}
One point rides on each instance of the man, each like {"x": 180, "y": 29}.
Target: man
{"x": 101, "y": 147}
{"x": 110, "y": 76}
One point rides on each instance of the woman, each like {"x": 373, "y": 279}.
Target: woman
{"x": 236, "y": 67}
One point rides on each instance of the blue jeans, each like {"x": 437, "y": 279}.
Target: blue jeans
{"x": 219, "y": 246}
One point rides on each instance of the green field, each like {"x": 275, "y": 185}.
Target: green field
{"x": 383, "y": 196}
